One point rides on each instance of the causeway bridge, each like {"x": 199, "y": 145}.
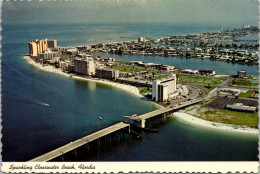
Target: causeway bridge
{"x": 81, "y": 142}
{"x": 163, "y": 112}
{"x": 111, "y": 130}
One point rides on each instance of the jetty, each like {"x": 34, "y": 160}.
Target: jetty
{"x": 81, "y": 142}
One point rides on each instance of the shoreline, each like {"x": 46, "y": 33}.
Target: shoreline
{"x": 48, "y": 68}
{"x": 183, "y": 117}
{"x": 195, "y": 121}
{"x": 127, "y": 88}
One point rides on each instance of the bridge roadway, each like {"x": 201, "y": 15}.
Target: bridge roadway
{"x": 141, "y": 118}
{"x": 80, "y": 142}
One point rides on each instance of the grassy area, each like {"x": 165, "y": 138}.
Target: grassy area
{"x": 122, "y": 62}
{"x": 247, "y": 94}
{"x": 208, "y": 89}
{"x": 206, "y": 101}
{"x": 132, "y": 69}
{"x": 245, "y": 83}
{"x": 200, "y": 79}
{"x": 227, "y": 116}
{"x": 160, "y": 76}
{"x": 145, "y": 89}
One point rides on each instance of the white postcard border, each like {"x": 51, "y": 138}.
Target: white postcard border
{"x": 127, "y": 167}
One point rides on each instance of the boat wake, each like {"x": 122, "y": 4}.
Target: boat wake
{"x": 11, "y": 96}
{"x": 42, "y": 103}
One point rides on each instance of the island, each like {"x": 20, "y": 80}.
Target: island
{"x": 202, "y": 97}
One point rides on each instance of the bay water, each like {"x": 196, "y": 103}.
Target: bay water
{"x": 30, "y": 128}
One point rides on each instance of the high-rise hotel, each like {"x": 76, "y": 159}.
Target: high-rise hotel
{"x": 164, "y": 89}
{"x": 39, "y": 46}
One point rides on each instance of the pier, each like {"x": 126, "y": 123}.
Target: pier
{"x": 82, "y": 141}
{"x": 160, "y": 113}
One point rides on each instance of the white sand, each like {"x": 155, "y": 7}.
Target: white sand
{"x": 127, "y": 88}
{"x": 133, "y": 90}
{"x": 208, "y": 124}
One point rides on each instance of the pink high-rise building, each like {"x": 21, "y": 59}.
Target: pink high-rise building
{"x": 37, "y": 46}
{"x": 33, "y": 49}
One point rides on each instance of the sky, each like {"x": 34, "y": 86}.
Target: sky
{"x": 211, "y": 12}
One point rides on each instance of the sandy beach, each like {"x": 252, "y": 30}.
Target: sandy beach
{"x": 186, "y": 118}
{"x": 127, "y": 88}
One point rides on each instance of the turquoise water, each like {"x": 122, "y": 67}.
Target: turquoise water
{"x": 31, "y": 129}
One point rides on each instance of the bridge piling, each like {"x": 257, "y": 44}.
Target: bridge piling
{"x": 162, "y": 113}
{"x": 90, "y": 142}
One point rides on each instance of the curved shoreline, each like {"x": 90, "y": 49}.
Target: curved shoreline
{"x": 186, "y": 118}
{"x": 48, "y": 68}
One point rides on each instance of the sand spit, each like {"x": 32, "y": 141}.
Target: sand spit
{"x": 208, "y": 124}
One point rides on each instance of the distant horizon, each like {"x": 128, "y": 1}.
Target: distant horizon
{"x": 194, "y": 12}
{"x": 132, "y": 23}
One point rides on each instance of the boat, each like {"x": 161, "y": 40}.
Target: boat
{"x": 46, "y": 104}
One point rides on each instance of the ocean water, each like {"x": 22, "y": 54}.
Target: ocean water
{"x": 30, "y": 128}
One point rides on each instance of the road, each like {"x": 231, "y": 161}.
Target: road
{"x": 80, "y": 142}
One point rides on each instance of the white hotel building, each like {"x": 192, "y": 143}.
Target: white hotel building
{"x": 85, "y": 66}
{"x": 164, "y": 89}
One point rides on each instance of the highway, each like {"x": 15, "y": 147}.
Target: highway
{"x": 170, "y": 109}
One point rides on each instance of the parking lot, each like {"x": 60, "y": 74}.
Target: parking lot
{"x": 221, "y": 102}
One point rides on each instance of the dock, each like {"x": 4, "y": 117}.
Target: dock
{"x": 80, "y": 142}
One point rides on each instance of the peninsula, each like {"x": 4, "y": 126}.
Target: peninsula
{"x": 222, "y": 99}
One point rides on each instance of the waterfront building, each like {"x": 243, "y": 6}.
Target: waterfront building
{"x": 72, "y": 51}
{"x": 164, "y": 89}
{"x": 33, "y": 49}
{"x": 207, "y": 72}
{"x": 189, "y": 71}
{"x": 85, "y": 66}
{"x": 138, "y": 63}
{"x": 167, "y": 68}
{"x": 63, "y": 66}
{"x": 71, "y": 68}
{"x": 51, "y": 43}
{"x": 151, "y": 65}
{"x": 110, "y": 59}
{"x": 141, "y": 39}
{"x": 241, "y": 107}
{"x": 235, "y": 92}
{"x": 107, "y": 73}
{"x": 83, "y": 55}
{"x": 41, "y": 46}
{"x": 241, "y": 74}
{"x": 246, "y": 26}
{"x": 48, "y": 55}
{"x": 37, "y": 46}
